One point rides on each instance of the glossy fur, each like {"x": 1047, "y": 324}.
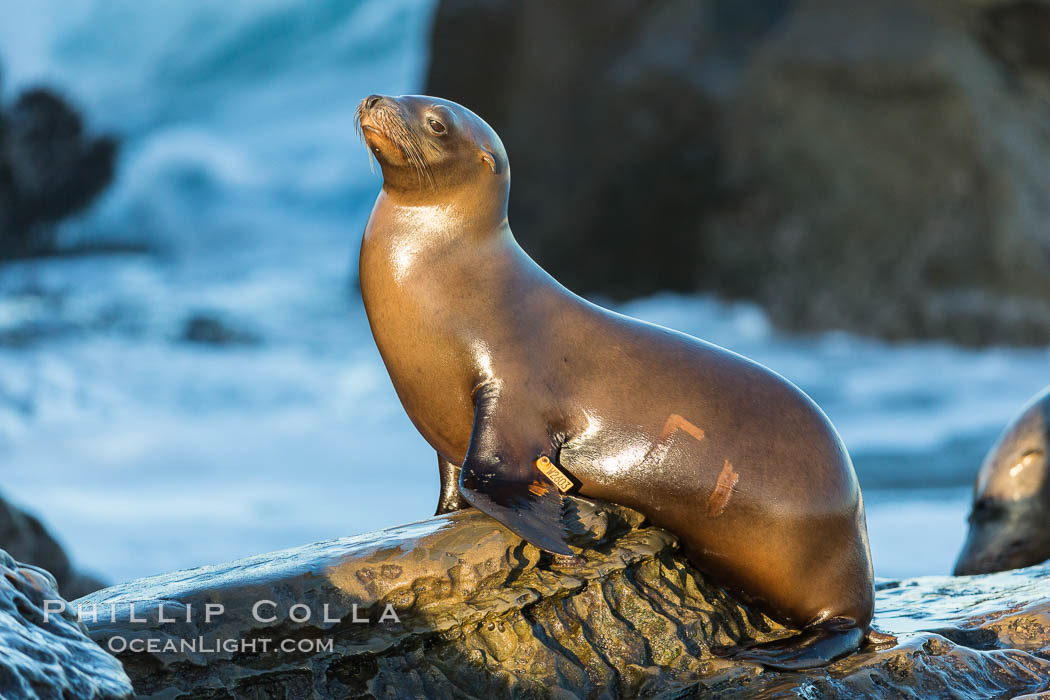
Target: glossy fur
{"x": 498, "y": 365}
{"x": 1010, "y": 519}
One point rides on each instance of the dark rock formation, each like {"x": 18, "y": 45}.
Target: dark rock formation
{"x": 1017, "y": 32}
{"x": 481, "y": 614}
{"x": 44, "y": 651}
{"x": 24, "y": 537}
{"x": 881, "y": 167}
{"x": 49, "y": 169}
{"x": 210, "y": 329}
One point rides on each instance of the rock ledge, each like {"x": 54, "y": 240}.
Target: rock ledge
{"x": 482, "y": 614}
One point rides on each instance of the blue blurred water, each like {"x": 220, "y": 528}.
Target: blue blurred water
{"x": 242, "y": 169}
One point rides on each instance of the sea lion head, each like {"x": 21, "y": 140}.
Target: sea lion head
{"x": 1011, "y": 503}
{"x": 427, "y": 146}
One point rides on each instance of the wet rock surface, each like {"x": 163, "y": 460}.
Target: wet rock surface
{"x": 52, "y": 658}
{"x": 881, "y": 167}
{"x": 49, "y": 169}
{"x": 25, "y": 538}
{"x": 957, "y": 637}
{"x": 481, "y": 614}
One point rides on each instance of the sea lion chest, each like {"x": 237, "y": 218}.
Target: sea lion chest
{"x": 420, "y": 348}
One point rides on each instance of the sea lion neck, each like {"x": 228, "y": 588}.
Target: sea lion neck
{"x": 442, "y": 216}
{"x": 403, "y": 237}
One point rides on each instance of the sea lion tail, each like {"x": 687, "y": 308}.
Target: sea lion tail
{"x": 812, "y": 647}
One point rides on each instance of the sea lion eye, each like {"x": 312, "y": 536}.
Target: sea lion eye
{"x": 436, "y": 126}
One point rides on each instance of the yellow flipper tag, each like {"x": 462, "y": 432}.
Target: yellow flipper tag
{"x": 556, "y": 475}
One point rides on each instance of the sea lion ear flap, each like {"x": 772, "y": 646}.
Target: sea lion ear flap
{"x": 491, "y": 160}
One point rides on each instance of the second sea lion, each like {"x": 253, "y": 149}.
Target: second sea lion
{"x": 1011, "y": 502}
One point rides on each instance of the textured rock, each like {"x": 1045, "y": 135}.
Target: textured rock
{"x": 481, "y": 614}
{"x": 49, "y": 169}
{"x": 879, "y": 166}
{"x": 52, "y": 658}
{"x": 970, "y": 637}
{"x": 26, "y": 539}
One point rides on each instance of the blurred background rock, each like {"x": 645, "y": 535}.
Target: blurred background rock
{"x": 855, "y": 194}
{"x": 49, "y": 169}
{"x": 876, "y": 166}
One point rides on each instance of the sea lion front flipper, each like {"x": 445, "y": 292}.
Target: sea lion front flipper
{"x": 812, "y": 647}
{"x": 450, "y": 499}
{"x": 530, "y": 509}
{"x": 501, "y": 479}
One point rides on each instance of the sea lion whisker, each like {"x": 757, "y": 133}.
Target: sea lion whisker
{"x": 391, "y": 124}
{"x": 359, "y": 116}
{"x": 418, "y": 158}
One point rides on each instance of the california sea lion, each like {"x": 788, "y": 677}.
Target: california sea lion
{"x": 520, "y": 385}
{"x": 1010, "y": 518}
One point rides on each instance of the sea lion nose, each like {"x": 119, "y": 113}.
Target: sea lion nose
{"x": 372, "y": 100}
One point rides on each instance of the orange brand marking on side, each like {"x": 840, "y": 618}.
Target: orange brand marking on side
{"x": 677, "y": 422}
{"x": 719, "y": 499}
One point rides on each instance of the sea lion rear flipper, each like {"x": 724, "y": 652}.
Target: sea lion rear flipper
{"x": 504, "y": 482}
{"x": 813, "y": 647}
